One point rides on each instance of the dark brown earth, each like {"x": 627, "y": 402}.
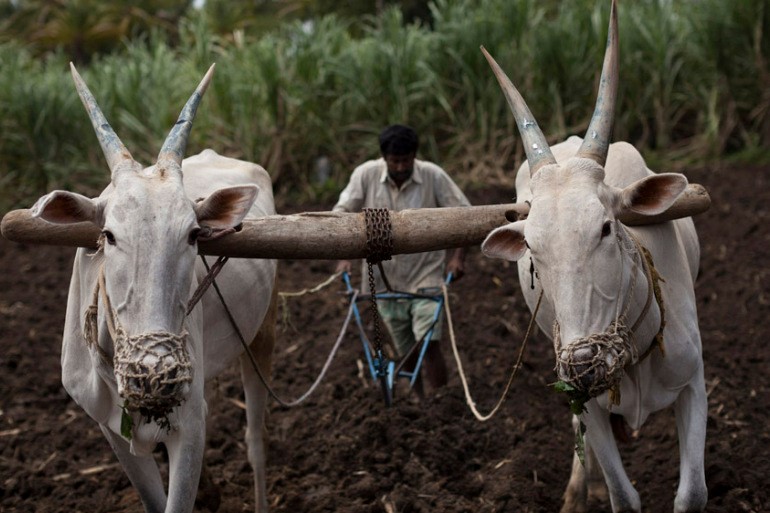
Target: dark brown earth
{"x": 343, "y": 451}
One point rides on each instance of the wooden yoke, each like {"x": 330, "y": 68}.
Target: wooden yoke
{"x": 339, "y": 235}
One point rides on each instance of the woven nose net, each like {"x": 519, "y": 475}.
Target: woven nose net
{"x": 153, "y": 370}
{"x": 596, "y": 363}
{"x": 609, "y": 353}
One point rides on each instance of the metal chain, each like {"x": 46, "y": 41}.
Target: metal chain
{"x": 379, "y": 247}
{"x": 379, "y": 236}
{"x": 378, "y": 361}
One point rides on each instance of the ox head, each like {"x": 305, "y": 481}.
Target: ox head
{"x": 149, "y": 239}
{"x": 577, "y": 244}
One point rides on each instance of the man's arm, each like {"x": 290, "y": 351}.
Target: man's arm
{"x": 456, "y": 263}
{"x": 343, "y": 266}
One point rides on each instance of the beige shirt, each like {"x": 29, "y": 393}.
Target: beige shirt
{"x": 428, "y": 187}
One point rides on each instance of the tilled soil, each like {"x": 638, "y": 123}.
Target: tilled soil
{"x": 343, "y": 451}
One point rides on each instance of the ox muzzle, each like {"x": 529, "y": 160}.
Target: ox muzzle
{"x": 153, "y": 372}
{"x": 595, "y": 364}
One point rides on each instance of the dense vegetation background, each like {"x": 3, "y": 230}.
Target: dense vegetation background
{"x": 303, "y": 86}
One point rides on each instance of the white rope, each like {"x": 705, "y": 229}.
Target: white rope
{"x": 332, "y": 353}
{"x": 468, "y": 399}
{"x": 285, "y": 320}
{"x": 313, "y": 290}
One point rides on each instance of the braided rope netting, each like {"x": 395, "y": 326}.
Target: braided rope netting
{"x": 609, "y": 351}
{"x": 153, "y": 371}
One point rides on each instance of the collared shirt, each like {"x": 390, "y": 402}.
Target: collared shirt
{"x": 428, "y": 187}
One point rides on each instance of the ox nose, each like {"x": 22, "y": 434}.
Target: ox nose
{"x": 158, "y": 378}
{"x": 588, "y": 367}
{"x": 153, "y": 373}
{"x": 577, "y": 367}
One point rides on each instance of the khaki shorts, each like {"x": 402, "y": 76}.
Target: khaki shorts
{"x": 408, "y": 320}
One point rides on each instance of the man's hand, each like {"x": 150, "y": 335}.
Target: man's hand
{"x": 456, "y": 264}
{"x": 343, "y": 266}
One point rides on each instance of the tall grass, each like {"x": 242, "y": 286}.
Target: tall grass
{"x": 695, "y": 84}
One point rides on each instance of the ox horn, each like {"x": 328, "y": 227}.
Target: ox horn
{"x": 597, "y": 139}
{"x": 176, "y": 143}
{"x": 113, "y": 148}
{"x": 537, "y": 149}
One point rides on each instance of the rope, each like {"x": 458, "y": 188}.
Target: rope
{"x": 247, "y": 350}
{"x": 468, "y": 399}
{"x": 653, "y": 280}
{"x": 310, "y": 290}
{"x": 206, "y": 283}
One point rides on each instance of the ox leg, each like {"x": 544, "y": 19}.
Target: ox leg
{"x": 575, "y": 496}
{"x": 586, "y": 482}
{"x": 256, "y": 400}
{"x": 599, "y": 436}
{"x": 141, "y": 471}
{"x": 185, "y": 458}
{"x": 209, "y": 495}
{"x": 691, "y": 410}
{"x": 597, "y": 488}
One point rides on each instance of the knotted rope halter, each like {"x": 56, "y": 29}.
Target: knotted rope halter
{"x": 152, "y": 390}
{"x": 614, "y": 348}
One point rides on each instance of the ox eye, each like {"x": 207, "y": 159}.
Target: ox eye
{"x": 193, "y": 237}
{"x": 606, "y": 229}
{"x": 109, "y": 236}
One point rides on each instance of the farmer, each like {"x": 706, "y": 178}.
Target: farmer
{"x": 399, "y": 181}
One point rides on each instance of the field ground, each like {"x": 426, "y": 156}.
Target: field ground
{"x": 343, "y": 451}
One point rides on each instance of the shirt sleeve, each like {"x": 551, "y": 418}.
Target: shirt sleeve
{"x": 448, "y": 194}
{"x": 353, "y": 195}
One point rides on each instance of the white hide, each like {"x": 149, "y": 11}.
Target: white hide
{"x": 582, "y": 289}
{"x": 246, "y": 285}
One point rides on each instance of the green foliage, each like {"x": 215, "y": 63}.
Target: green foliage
{"x": 126, "y": 424}
{"x": 83, "y": 28}
{"x": 577, "y": 399}
{"x": 694, "y": 83}
{"x": 40, "y": 119}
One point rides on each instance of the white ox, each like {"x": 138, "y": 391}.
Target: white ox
{"x": 591, "y": 274}
{"x": 143, "y": 381}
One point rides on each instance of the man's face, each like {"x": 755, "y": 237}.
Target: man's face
{"x": 400, "y": 166}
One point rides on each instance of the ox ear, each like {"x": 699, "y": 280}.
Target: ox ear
{"x": 506, "y": 242}
{"x": 653, "y": 194}
{"x": 221, "y": 212}
{"x": 63, "y": 207}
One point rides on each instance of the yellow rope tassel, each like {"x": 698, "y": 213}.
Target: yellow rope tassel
{"x": 90, "y": 330}
{"x": 613, "y": 394}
